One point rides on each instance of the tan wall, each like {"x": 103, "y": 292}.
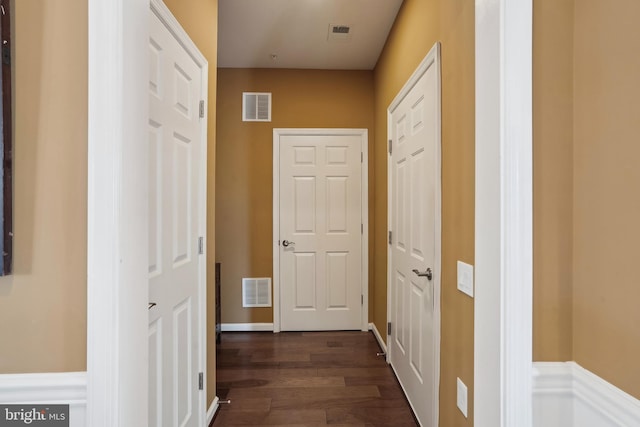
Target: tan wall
{"x": 419, "y": 25}
{"x": 43, "y": 303}
{"x": 586, "y": 203}
{"x": 606, "y": 318}
{"x": 553, "y": 179}
{"x": 199, "y": 18}
{"x": 301, "y": 99}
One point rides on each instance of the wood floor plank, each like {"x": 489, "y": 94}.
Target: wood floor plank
{"x": 247, "y": 373}
{"x": 355, "y": 372}
{"x": 304, "y": 425}
{"x": 304, "y": 392}
{"x": 274, "y": 417}
{"x": 376, "y": 416}
{"x": 386, "y": 380}
{"x": 342, "y": 402}
{"x": 307, "y": 379}
{"x": 299, "y": 382}
{"x": 260, "y": 404}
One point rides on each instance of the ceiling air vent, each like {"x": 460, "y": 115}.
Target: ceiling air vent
{"x": 340, "y": 29}
{"x": 256, "y": 107}
{"x": 339, "y": 33}
{"x": 256, "y": 292}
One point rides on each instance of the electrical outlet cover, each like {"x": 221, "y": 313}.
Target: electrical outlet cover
{"x": 462, "y": 397}
{"x": 465, "y": 278}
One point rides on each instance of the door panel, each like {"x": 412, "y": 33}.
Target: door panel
{"x": 337, "y": 280}
{"x": 175, "y": 141}
{"x": 155, "y": 373}
{"x": 305, "y": 283}
{"x": 321, "y": 213}
{"x": 414, "y": 162}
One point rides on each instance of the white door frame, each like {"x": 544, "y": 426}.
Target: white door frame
{"x": 364, "y": 134}
{"x": 117, "y": 230}
{"x": 117, "y": 210}
{"x": 432, "y": 59}
{"x": 503, "y": 218}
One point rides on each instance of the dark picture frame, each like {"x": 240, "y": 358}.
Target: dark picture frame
{"x": 6, "y": 148}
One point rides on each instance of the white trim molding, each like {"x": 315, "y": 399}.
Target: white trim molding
{"x": 213, "y": 408}
{"x": 567, "y": 395}
{"x": 503, "y": 214}
{"x": 66, "y": 388}
{"x": 376, "y": 333}
{"x": 246, "y": 327}
{"x": 117, "y": 212}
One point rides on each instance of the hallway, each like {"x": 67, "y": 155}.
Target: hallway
{"x": 307, "y": 379}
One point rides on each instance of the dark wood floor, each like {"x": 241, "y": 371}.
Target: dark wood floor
{"x": 307, "y": 379}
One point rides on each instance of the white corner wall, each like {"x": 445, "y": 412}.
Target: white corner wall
{"x": 67, "y": 388}
{"x": 567, "y": 395}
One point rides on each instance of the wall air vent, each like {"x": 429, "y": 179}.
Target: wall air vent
{"x": 340, "y": 29}
{"x": 256, "y": 107}
{"x": 256, "y": 292}
{"x": 339, "y": 33}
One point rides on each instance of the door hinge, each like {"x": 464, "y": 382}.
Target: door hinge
{"x": 202, "y": 109}
{"x": 361, "y": 157}
{"x": 200, "y": 245}
{"x": 201, "y": 381}
{"x": 390, "y": 146}
{"x": 388, "y": 328}
{"x": 390, "y": 237}
{"x": 361, "y": 299}
{"x": 361, "y": 228}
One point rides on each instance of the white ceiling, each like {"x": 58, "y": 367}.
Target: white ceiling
{"x": 251, "y": 31}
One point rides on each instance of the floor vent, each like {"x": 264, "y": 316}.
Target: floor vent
{"x": 256, "y": 292}
{"x": 256, "y": 107}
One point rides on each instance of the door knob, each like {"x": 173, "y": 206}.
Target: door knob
{"x": 286, "y": 243}
{"x": 151, "y": 305}
{"x": 428, "y": 273}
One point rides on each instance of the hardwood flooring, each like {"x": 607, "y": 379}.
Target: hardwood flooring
{"x": 307, "y": 379}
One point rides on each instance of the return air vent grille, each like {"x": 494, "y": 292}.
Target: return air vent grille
{"x": 256, "y": 107}
{"x": 256, "y": 292}
{"x": 339, "y": 33}
{"x": 340, "y": 29}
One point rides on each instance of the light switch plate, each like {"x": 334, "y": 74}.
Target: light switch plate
{"x": 465, "y": 278}
{"x": 462, "y": 397}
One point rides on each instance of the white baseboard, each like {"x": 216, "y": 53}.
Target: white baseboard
{"x": 247, "y": 327}
{"x": 211, "y": 412}
{"x": 65, "y": 388}
{"x": 376, "y": 333}
{"x": 566, "y": 394}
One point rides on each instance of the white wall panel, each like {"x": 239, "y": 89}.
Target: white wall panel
{"x": 567, "y": 395}
{"x": 65, "y": 388}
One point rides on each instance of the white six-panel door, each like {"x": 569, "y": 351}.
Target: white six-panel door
{"x": 176, "y": 204}
{"x": 414, "y": 128}
{"x": 320, "y": 225}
